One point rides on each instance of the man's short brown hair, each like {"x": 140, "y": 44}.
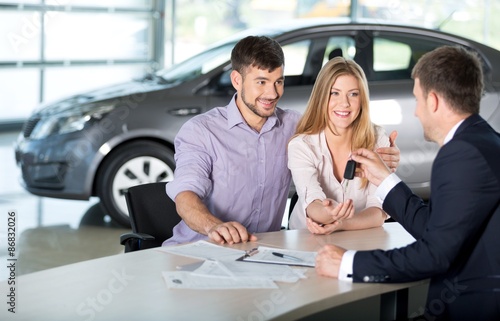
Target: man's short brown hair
{"x": 455, "y": 73}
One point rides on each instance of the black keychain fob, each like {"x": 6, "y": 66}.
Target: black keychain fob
{"x": 350, "y": 169}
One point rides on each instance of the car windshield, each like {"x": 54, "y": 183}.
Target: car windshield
{"x": 211, "y": 58}
{"x": 198, "y": 65}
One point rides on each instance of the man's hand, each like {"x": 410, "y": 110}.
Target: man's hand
{"x": 328, "y": 260}
{"x": 197, "y": 216}
{"x": 390, "y": 155}
{"x": 231, "y": 233}
{"x": 372, "y": 166}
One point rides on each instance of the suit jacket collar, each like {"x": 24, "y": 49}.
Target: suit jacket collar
{"x": 472, "y": 120}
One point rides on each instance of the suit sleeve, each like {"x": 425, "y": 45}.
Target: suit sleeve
{"x": 464, "y": 191}
{"x": 401, "y": 200}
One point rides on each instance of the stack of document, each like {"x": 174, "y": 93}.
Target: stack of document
{"x": 227, "y": 268}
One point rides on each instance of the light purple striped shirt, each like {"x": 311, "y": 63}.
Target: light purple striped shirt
{"x": 241, "y": 175}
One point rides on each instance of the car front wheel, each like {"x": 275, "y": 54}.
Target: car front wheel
{"x": 135, "y": 163}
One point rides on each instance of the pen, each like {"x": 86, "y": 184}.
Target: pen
{"x": 289, "y": 257}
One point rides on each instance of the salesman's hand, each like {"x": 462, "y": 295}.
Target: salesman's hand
{"x": 390, "y": 155}
{"x": 328, "y": 260}
{"x": 230, "y": 232}
{"x": 371, "y": 165}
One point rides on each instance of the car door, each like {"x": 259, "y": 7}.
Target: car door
{"x": 387, "y": 59}
{"x": 393, "y": 104}
{"x": 393, "y": 56}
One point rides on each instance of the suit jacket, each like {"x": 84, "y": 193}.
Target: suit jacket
{"x": 457, "y": 233}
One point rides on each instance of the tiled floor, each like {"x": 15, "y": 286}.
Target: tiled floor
{"x": 50, "y": 232}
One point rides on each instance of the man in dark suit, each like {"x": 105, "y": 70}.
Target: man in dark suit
{"x": 458, "y": 232}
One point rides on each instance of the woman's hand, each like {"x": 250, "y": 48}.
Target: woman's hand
{"x": 336, "y": 212}
{"x": 323, "y": 229}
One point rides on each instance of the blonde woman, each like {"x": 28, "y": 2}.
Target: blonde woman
{"x": 336, "y": 122}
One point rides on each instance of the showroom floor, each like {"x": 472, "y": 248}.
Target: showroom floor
{"x": 50, "y": 232}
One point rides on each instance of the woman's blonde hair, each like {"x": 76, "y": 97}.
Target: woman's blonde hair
{"x": 316, "y": 119}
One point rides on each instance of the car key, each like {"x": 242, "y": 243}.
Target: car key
{"x": 350, "y": 169}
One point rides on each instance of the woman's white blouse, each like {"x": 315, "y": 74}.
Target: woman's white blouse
{"x": 311, "y": 165}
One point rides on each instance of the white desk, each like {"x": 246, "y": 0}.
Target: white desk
{"x": 130, "y": 286}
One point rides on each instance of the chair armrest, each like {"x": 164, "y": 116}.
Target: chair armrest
{"x": 140, "y": 236}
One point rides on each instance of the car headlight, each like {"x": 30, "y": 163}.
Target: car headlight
{"x": 67, "y": 123}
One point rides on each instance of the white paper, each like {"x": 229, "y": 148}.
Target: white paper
{"x": 188, "y": 280}
{"x": 238, "y": 269}
{"x": 221, "y": 270}
{"x": 213, "y": 268}
{"x": 204, "y": 250}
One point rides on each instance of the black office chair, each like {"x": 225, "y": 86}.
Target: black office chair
{"x": 293, "y": 201}
{"x": 152, "y": 216}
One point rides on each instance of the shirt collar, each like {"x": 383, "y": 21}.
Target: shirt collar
{"x": 452, "y": 132}
{"x": 234, "y": 117}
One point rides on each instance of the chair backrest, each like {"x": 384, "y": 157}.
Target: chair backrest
{"x": 293, "y": 201}
{"x": 337, "y": 52}
{"x": 152, "y": 212}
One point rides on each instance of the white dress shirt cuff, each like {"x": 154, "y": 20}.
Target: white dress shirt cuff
{"x": 345, "y": 271}
{"x": 385, "y": 187}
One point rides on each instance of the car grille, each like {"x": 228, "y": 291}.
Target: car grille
{"x": 29, "y": 125}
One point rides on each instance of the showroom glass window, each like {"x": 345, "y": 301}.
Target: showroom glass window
{"x": 55, "y": 48}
